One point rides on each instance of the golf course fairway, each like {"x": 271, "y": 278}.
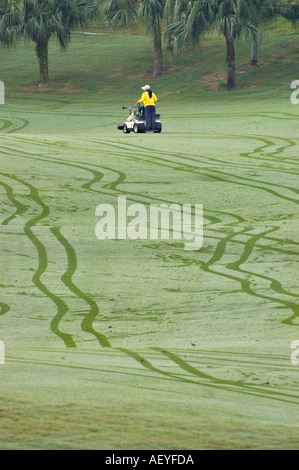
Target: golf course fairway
{"x": 141, "y": 344}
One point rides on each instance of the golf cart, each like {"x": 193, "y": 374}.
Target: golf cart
{"x": 136, "y": 121}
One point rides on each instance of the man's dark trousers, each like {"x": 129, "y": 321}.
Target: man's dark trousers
{"x": 150, "y": 116}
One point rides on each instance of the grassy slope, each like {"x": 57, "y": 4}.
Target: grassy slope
{"x": 87, "y": 71}
{"x": 200, "y": 342}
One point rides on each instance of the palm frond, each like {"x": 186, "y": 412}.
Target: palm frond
{"x": 122, "y": 12}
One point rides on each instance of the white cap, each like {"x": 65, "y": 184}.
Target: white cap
{"x": 146, "y": 87}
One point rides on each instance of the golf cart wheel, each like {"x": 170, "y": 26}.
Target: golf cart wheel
{"x": 158, "y": 127}
{"x": 139, "y": 128}
{"x": 125, "y": 129}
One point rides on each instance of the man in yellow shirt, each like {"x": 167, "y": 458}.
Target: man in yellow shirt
{"x": 149, "y": 99}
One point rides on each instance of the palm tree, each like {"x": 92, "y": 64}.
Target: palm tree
{"x": 170, "y": 12}
{"x": 122, "y": 12}
{"x": 232, "y": 19}
{"x": 262, "y": 11}
{"x": 190, "y": 21}
{"x": 43, "y": 19}
{"x": 10, "y": 21}
{"x": 125, "y": 12}
{"x": 291, "y": 10}
{"x": 152, "y": 13}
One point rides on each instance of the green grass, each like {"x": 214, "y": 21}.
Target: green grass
{"x": 141, "y": 344}
{"x": 88, "y": 71}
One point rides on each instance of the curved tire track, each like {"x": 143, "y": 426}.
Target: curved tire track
{"x": 87, "y": 323}
{"x": 245, "y": 284}
{"x": 62, "y": 308}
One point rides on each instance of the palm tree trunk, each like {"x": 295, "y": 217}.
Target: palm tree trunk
{"x": 158, "y": 55}
{"x": 42, "y": 55}
{"x": 254, "y": 52}
{"x": 170, "y": 21}
{"x": 231, "y": 61}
